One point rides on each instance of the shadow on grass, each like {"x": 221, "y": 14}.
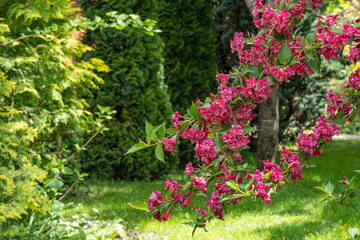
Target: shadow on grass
{"x": 294, "y": 231}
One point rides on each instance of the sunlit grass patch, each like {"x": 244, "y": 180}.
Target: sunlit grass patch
{"x": 295, "y": 213}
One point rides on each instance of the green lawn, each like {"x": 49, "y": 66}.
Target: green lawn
{"x": 295, "y": 213}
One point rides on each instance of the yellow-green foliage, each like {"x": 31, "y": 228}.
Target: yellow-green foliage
{"x": 42, "y": 90}
{"x": 18, "y": 193}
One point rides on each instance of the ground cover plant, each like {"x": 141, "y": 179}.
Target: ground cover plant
{"x": 296, "y": 213}
{"x": 219, "y": 125}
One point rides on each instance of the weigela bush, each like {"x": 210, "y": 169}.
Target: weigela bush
{"x": 218, "y": 126}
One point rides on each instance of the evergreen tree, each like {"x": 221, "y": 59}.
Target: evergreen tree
{"x": 134, "y": 88}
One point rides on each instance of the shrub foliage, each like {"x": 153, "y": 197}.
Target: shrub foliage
{"x": 134, "y": 88}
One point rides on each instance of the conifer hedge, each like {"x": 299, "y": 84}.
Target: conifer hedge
{"x": 190, "y": 61}
{"x": 136, "y": 80}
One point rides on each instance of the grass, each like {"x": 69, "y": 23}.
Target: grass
{"x": 295, "y": 213}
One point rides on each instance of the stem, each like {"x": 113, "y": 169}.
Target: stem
{"x": 72, "y": 155}
{"x": 270, "y": 32}
{"x": 26, "y": 36}
{"x": 67, "y": 192}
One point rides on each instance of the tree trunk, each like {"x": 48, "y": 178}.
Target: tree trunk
{"x": 268, "y": 126}
{"x": 268, "y": 130}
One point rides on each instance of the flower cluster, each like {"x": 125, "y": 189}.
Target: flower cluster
{"x": 206, "y": 151}
{"x": 333, "y": 42}
{"x": 216, "y": 127}
{"x": 169, "y": 144}
{"x": 294, "y": 161}
{"x": 354, "y": 80}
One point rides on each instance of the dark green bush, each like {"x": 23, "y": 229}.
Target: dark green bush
{"x": 134, "y": 88}
{"x": 190, "y": 61}
{"x": 188, "y": 33}
{"x": 230, "y": 16}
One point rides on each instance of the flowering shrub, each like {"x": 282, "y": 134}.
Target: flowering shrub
{"x": 218, "y": 126}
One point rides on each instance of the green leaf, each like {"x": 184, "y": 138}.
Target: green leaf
{"x": 341, "y": 53}
{"x": 285, "y": 54}
{"x": 335, "y": 224}
{"x": 353, "y": 231}
{"x": 233, "y": 185}
{"x": 206, "y": 104}
{"x": 232, "y": 197}
{"x": 248, "y": 129}
{"x": 139, "y": 205}
{"x": 54, "y": 184}
{"x": 310, "y": 53}
{"x": 194, "y": 111}
{"x": 337, "y": 30}
{"x": 67, "y": 171}
{"x": 329, "y": 187}
{"x": 159, "y": 152}
{"x": 161, "y": 131}
{"x": 302, "y": 41}
{"x": 57, "y": 206}
{"x": 291, "y": 5}
{"x": 277, "y": 36}
{"x": 184, "y": 125}
{"x": 217, "y": 140}
{"x": 247, "y": 69}
{"x": 272, "y": 80}
{"x": 152, "y": 134}
{"x": 267, "y": 176}
{"x": 137, "y": 147}
{"x": 248, "y": 184}
{"x": 294, "y": 60}
{"x": 311, "y": 38}
{"x": 148, "y": 127}
{"x": 216, "y": 164}
{"x": 354, "y": 114}
{"x": 282, "y": 5}
{"x": 315, "y": 64}
{"x": 171, "y": 131}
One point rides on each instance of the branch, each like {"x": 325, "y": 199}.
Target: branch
{"x": 250, "y": 5}
{"x": 72, "y": 186}
{"x": 42, "y": 114}
{"x": 48, "y": 153}
{"x": 72, "y": 155}
{"x": 75, "y": 132}
{"x": 26, "y": 36}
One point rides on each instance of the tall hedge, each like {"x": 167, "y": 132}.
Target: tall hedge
{"x": 230, "y": 16}
{"x": 190, "y": 61}
{"x": 188, "y": 33}
{"x": 134, "y": 88}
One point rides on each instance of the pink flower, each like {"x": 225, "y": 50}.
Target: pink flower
{"x": 200, "y": 183}
{"x": 158, "y": 217}
{"x": 236, "y": 130}
{"x": 189, "y": 169}
{"x": 186, "y": 202}
{"x": 203, "y": 212}
{"x": 238, "y": 43}
{"x": 169, "y": 144}
{"x": 257, "y": 176}
{"x": 166, "y": 215}
{"x": 175, "y": 120}
{"x": 173, "y": 185}
{"x": 156, "y": 200}
{"x": 354, "y": 80}
{"x": 223, "y": 78}
{"x": 284, "y": 154}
